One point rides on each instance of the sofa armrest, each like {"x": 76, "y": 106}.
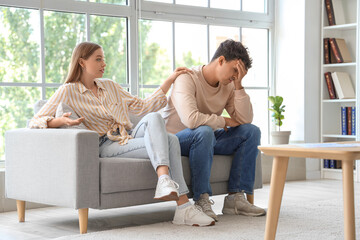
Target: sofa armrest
{"x": 53, "y": 166}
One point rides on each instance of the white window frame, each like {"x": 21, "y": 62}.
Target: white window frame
{"x": 141, "y": 9}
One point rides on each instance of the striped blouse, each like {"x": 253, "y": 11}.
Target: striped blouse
{"x": 105, "y": 114}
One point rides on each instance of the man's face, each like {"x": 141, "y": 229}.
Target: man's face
{"x": 227, "y": 71}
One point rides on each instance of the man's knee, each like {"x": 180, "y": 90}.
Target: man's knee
{"x": 204, "y": 134}
{"x": 252, "y": 131}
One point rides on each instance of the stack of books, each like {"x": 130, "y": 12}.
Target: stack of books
{"x": 339, "y": 85}
{"x": 348, "y": 120}
{"x": 330, "y": 163}
{"x": 336, "y": 51}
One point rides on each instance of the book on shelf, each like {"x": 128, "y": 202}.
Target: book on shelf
{"x": 335, "y": 12}
{"x": 330, "y": 12}
{"x": 326, "y": 163}
{"x": 343, "y": 85}
{"x": 326, "y": 51}
{"x": 348, "y": 118}
{"x": 340, "y": 50}
{"x": 343, "y": 121}
{"x": 353, "y": 117}
{"x": 330, "y": 85}
{"x": 348, "y": 121}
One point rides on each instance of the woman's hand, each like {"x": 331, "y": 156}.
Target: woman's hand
{"x": 177, "y": 72}
{"x": 165, "y": 86}
{"x": 69, "y": 122}
{"x": 64, "y": 120}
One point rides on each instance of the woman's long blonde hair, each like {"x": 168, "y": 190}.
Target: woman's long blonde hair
{"x": 83, "y": 50}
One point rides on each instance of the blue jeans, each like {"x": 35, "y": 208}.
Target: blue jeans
{"x": 200, "y": 145}
{"x": 150, "y": 140}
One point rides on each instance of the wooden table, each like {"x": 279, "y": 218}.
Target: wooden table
{"x": 347, "y": 152}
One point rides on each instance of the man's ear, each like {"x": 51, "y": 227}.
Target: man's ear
{"x": 221, "y": 60}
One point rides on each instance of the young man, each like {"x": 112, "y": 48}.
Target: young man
{"x": 194, "y": 113}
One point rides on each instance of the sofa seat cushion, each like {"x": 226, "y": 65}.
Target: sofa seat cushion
{"x": 130, "y": 174}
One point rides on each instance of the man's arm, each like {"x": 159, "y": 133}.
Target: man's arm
{"x": 239, "y": 107}
{"x": 184, "y": 100}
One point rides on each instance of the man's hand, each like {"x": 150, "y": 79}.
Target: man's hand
{"x": 242, "y": 71}
{"x": 69, "y": 122}
{"x": 229, "y": 122}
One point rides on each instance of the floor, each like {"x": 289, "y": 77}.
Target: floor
{"x": 53, "y": 222}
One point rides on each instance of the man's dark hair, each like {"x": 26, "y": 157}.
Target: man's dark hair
{"x": 233, "y": 50}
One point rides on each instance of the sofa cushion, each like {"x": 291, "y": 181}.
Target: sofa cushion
{"x": 130, "y": 174}
{"x": 64, "y": 108}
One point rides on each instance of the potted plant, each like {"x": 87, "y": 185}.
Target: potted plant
{"x": 278, "y": 137}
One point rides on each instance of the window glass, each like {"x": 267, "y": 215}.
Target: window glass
{"x": 253, "y": 6}
{"x": 162, "y": 1}
{"x": 16, "y": 107}
{"x": 156, "y": 52}
{"x": 256, "y": 40}
{"x": 259, "y": 100}
{"x": 63, "y": 31}
{"x": 118, "y": 2}
{"x": 20, "y": 45}
{"x": 190, "y": 45}
{"x": 225, "y": 4}
{"x": 218, "y": 34}
{"x": 110, "y": 33}
{"x": 199, "y": 3}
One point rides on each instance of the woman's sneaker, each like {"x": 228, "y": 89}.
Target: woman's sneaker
{"x": 167, "y": 190}
{"x": 192, "y": 216}
{"x": 237, "y": 204}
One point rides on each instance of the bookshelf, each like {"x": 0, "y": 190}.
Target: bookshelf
{"x": 330, "y": 117}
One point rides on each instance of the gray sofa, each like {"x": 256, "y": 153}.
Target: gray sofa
{"x": 62, "y": 167}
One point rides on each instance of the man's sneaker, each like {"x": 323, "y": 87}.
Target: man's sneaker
{"x": 238, "y": 204}
{"x": 167, "y": 190}
{"x": 192, "y": 216}
{"x": 205, "y": 203}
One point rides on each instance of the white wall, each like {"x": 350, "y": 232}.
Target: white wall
{"x": 297, "y": 72}
{"x": 312, "y": 81}
{"x": 289, "y": 73}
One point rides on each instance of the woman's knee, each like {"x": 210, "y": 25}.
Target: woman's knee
{"x": 173, "y": 139}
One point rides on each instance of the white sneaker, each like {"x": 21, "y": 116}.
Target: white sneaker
{"x": 167, "y": 190}
{"x": 192, "y": 216}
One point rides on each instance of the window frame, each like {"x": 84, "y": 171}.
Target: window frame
{"x": 141, "y": 9}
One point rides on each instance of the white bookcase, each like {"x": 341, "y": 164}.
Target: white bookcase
{"x": 331, "y": 108}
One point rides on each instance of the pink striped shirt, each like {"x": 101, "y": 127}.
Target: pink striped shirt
{"x": 105, "y": 114}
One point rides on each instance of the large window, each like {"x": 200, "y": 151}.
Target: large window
{"x": 143, "y": 41}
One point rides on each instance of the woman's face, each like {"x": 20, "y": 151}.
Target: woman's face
{"x": 95, "y": 64}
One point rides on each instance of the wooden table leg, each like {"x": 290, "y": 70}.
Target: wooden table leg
{"x": 348, "y": 193}
{"x": 278, "y": 176}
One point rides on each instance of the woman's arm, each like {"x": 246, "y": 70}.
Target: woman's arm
{"x": 64, "y": 120}
{"x": 170, "y": 80}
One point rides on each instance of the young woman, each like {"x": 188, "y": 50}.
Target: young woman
{"x": 105, "y": 106}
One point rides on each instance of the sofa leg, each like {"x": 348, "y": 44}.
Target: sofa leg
{"x": 20, "y": 205}
{"x": 250, "y": 198}
{"x": 83, "y": 219}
